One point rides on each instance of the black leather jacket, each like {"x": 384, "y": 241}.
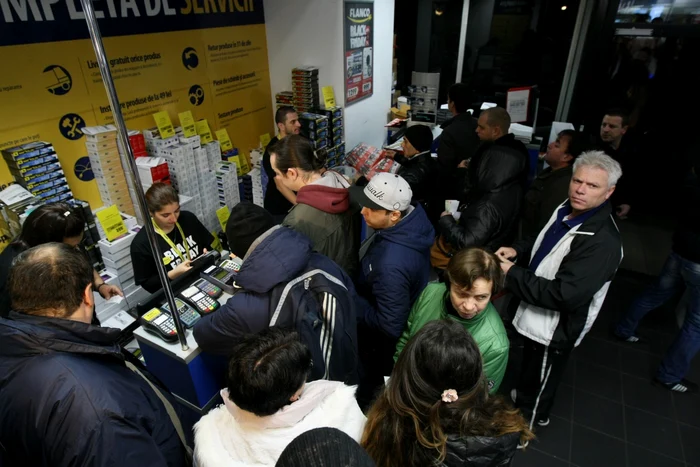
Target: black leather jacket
{"x": 419, "y": 171}
{"x": 489, "y": 217}
{"x": 480, "y": 451}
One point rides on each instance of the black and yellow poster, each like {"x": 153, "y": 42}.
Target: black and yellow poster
{"x": 206, "y": 56}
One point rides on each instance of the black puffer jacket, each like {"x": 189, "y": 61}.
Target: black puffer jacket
{"x": 490, "y": 217}
{"x": 421, "y": 172}
{"x": 479, "y": 451}
{"x": 504, "y": 144}
{"x": 68, "y": 399}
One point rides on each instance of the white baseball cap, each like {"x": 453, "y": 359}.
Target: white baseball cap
{"x": 385, "y": 191}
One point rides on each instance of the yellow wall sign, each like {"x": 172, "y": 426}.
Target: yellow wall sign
{"x": 224, "y": 140}
{"x": 203, "y": 131}
{"x": 189, "y": 128}
{"x": 111, "y": 222}
{"x": 165, "y": 126}
{"x": 206, "y": 57}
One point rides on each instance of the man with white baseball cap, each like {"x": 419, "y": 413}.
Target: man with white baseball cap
{"x": 395, "y": 265}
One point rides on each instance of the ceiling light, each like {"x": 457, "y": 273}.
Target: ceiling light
{"x": 563, "y": 8}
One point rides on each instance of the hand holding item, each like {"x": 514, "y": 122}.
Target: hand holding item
{"x": 464, "y": 164}
{"x": 108, "y": 291}
{"x": 506, "y": 253}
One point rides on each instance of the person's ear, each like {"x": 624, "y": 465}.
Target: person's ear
{"x": 280, "y": 127}
{"x": 624, "y": 130}
{"x": 292, "y": 174}
{"x": 395, "y": 216}
{"x": 567, "y": 157}
{"x": 88, "y": 298}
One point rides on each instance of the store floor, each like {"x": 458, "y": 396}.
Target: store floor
{"x": 607, "y": 412}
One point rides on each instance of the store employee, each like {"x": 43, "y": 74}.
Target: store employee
{"x": 54, "y": 222}
{"x": 181, "y": 238}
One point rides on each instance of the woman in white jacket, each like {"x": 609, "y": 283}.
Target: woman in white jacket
{"x": 268, "y": 403}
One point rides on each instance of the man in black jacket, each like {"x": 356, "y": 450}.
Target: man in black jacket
{"x": 682, "y": 268}
{"x": 562, "y": 288}
{"x": 492, "y": 128}
{"x": 278, "y": 198}
{"x": 66, "y": 394}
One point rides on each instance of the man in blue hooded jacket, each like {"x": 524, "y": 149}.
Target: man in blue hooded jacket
{"x": 395, "y": 264}
{"x": 272, "y": 257}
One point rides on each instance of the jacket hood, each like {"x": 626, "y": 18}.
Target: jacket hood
{"x": 24, "y": 335}
{"x": 328, "y": 194}
{"x": 278, "y": 255}
{"x": 413, "y": 231}
{"x": 480, "y": 451}
{"x": 501, "y": 167}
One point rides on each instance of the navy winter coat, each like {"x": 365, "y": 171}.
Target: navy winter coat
{"x": 67, "y": 399}
{"x": 395, "y": 271}
{"x": 278, "y": 256}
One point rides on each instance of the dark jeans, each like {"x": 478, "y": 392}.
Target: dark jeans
{"x": 676, "y": 273}
{"x": 542, "y": 370}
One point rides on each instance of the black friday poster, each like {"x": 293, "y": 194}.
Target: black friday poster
{"x": 359, "y": 53}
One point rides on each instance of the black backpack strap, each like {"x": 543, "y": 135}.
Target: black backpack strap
{"x": 306, "y": 276}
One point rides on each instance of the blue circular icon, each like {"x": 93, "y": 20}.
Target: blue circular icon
{"x": 196, "y": 95}
{"x": 59, "y": 82}
{"x": 71, "y": 126}
{"x": 190, "y": 58}
{"x": 83, "y": 169}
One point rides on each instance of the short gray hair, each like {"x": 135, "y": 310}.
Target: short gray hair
{"x": 602, "y": 161}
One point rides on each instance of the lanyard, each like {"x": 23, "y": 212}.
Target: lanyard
{"x": 170, "y": 242}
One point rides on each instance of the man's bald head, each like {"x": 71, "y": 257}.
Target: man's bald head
{"x": 493, "y": 123}
{"x": 49, "y": 280}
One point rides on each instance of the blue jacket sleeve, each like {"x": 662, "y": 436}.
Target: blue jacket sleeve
{"x": 391, "y": 289}
{"x": 220, "y": 331}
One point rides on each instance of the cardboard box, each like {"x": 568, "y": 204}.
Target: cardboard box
{"x": 153, "y": 170}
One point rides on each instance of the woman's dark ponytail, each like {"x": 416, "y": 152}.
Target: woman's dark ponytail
{"x": 297, "y": 152}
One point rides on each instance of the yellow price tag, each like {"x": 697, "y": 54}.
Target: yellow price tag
{"x": 328, "y": 96}
{"x": 236, "y": 160}
{"x": 223, "y": 214}
{"x": 265, "y": 140}
{"x": 245, "y": 166}
{"x": 203, "y": 131}
{"x": 165, "y": 126}
{"x": 189, "y": 128}
{"x": 112, "y": 222}
{"x": 222, "y": 136}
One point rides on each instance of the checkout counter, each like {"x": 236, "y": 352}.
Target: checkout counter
{"x": 192, "y": 376}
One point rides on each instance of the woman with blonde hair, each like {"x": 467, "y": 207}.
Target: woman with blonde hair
{"x": 436, "y": 409}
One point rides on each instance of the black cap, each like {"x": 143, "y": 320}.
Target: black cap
{"x": 420, "y": 136}
{"x": 245, "y": 224}
{"x": 324, "y": 447}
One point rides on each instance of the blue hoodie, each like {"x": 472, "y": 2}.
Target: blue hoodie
{"x": 276, "y": 257}
{"x": 395, "y": 271}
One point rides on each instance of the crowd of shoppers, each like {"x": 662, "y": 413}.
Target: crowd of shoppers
{"x": 324, "y": 329}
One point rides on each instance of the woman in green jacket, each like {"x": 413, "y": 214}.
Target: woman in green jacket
{"x": 471, "y": 278}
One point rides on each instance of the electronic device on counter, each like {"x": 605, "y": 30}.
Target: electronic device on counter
{"x": 223, "y": 275}
{"x": 188, "y": 315}
{"x": 202, "y": 302}
{"x": 159, "y": 323}
{"x": 208, "y": 288}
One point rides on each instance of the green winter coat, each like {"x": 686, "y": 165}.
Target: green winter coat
{"x": 486, "y": 328}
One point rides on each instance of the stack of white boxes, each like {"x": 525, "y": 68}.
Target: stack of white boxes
{"x": 106, "y": 162}
{"x": 213, "y": 151}
{"x": 227, "y": 184}
{"x": 117, "y": 258}
{"x": 258, "y": 194}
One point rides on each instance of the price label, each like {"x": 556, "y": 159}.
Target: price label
{"x": 165, "y": 126}
{"x": 366, "y": 87}
{"x": 112, "y": 222}
{"x": 223, "y": 214}
{"x": 237, "y": 162}
{"x": 189, "y": 127}
{"x": 328, "y": 96}
{"x": 224, "y": 140}
{"x": 265, "y": 140}
{"x": 245, "y": 167}
{"x": 352, "y": 92}
{"x": 203, "y": 131}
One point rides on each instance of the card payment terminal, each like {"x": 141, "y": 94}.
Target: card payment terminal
{"x": 187, "y": 314}
{"x": 200, "y": 300}
{"x": 208, "y": 288}
{"x": 223, "y": 275}
{"x": 159, "y": 323}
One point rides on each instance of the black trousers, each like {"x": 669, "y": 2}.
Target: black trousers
{"x": 542, "y": 370}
